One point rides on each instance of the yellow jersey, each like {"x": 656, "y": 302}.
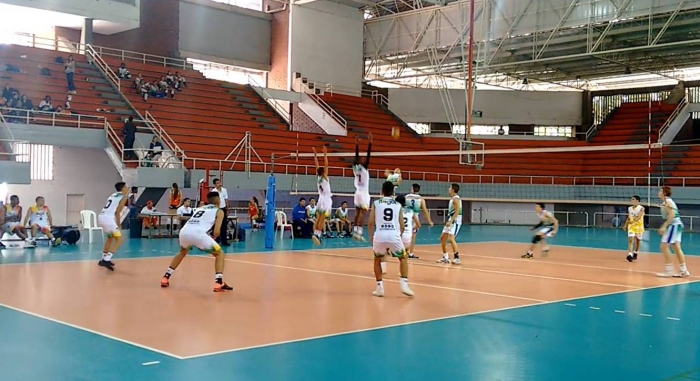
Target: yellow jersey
{"x": 635, "y": 222}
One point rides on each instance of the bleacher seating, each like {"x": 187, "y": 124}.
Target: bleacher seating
{"x": 630, "y": 123}
{"x": 208, "y": 118}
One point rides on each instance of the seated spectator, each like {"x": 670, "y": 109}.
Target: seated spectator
{"x": 254, "y": 212}
{"x": 180, "y": 79}
{"x": 149, "y": 222}
{"x": 170, "y": 78}
{"x": 145, "y": 90}
{"x": 155, "y": 151}
{"x": 13, "y": 101}
{"x": 300, "y": 223}
{"x": 123, "y": 72}
{"x": 62, "y": 111}
{"x": 184, "y": 212}
{"x": 138, "y": 81}
{"x": 45, "y": 104}
{"x": 7, "y": 92}
{"x": 155, "y": 90}
{"x": 165, "y": 88}
{"x": 26, "y": 103}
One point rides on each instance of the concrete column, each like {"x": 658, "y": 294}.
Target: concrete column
{"x": 86, "y": 33}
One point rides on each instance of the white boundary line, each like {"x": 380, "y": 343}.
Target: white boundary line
{"x": 428, "y": 320}
{"x": 464, "y": 268}
{"x": 91, "y": 331}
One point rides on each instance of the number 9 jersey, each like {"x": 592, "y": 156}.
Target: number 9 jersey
{"x": 387, "y": 236}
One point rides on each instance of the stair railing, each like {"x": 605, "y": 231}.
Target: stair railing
{"x": 325, "y": 106}
{"x": 673, "y": 116}
{"x": 274, "y": 103}
{"x": 95, "y": 58}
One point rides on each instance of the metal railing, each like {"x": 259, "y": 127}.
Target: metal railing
{"x": 163, "y": 135}
{"x": 325, "y": 106}
{"x": 95, "y": 58}
{"x": 673, "y": 116}
{"x": 274, "y": 103}
{"x": 51, "y": 118}
{"x": 330, "y": 88}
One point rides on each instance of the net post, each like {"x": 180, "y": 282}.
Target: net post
{"x": 270, "y": 212}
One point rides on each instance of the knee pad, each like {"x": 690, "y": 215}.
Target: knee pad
{"x": 536, "y": 238}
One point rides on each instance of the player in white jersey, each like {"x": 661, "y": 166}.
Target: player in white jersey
{"x": 387, "y": 216}
{"x": 671, "y": 232}
{"x": 393, "y": 177}
{"x": 362, "y": 199}
{"x": 634, "y": 225}
{"x": 547, "y": 227}
{"x": 109, "y": 220}
{"x": 410, "y": 221}
{"x": 195, "y": 232}
{"x": 325, "y": 196}
{"x": 40, "y": 220}
{"x": 416, "y": 202}
{"x": 342, "y": 223}
{"x": 452, "y": 226}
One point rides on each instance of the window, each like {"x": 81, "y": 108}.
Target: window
{"x": 421, "y": 128}
{"x": 39, "y": 156}
{"x": 255, "y": 5}
{"x": 558, "y": 131}
{"x": 479, "y": 130}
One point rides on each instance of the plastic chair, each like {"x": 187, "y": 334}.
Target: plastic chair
{"x": 88, "y": 220}
{"x": 282, "y": 224}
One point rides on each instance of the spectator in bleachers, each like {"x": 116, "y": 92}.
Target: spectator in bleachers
{"x": 26, "y": 103}
{"x": 165, "y": 88}
{"x": 155, "y": 149}
{"x": 145, "y": 90}
{"x": 180, "y": 79}
{"x": 155, "y": 90}
{"x": 62, "y": 111}
{"x": 69, "y": 68}
{"x": 45, "y": 104}
{"x": 170, "y": 78}
{"x": 123, "y": 72}
{"x": 7, "y": 92}
{"x": 138, "y": 81}
{"x": 300, "y": 223}
{"x": 129, "y": 131}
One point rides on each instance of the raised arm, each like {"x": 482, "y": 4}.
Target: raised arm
{"x": 316, "y": 158}
{"x": 369, "y": 151}
{"x": 325, "y": 161}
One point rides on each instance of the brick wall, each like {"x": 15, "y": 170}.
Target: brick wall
{"x": 303, "y": 123}
{"x": 279, "y": 47}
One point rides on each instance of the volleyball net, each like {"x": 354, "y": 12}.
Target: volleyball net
{"x": 585, "y": 185}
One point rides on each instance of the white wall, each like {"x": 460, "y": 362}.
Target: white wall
{"x": 126, "y": 13}
{"x": 85, "y": 171}
{"x": 542, "y": 108}
{"x": 325, "y": 41}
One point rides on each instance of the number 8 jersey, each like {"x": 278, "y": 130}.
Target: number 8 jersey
{"x": 202, "y": 220}
{"x": 386, "y": 220}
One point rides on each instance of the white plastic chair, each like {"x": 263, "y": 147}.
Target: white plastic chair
{"x": 88, "y": 219}
{"x": 282, "y": 224}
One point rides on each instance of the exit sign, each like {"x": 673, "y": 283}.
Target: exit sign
{"x": 477, "y": 114}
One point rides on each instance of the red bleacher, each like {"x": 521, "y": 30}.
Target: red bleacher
{"x": 630, "y": 123}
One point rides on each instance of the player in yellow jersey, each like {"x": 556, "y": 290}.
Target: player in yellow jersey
{"x": 39, "y": 217}
{"x": 635, "y": 227}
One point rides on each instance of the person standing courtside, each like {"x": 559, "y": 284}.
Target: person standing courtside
{"x": 223, "y": 203}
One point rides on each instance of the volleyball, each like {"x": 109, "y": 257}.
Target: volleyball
{"x": 395, "y": 132}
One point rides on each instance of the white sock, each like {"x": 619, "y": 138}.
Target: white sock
{"x": 403, "y": 281}
{"x": 380, "y": 284}
{"x": 630, "y": 253}
{"x": 219, "y": 276}
{"x": 359, "y": 229}
{"x": 669, "y": 268}
{"x": 107, "y": 257}
{"x": 383, "y": 264}
{"x": 445, "y": 255}
{"x": 683, "y": 268}
{"x": 317, "y": 233}
{"x": 170, "y": 271}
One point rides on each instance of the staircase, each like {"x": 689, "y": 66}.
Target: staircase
{"x": 629, "y": 124}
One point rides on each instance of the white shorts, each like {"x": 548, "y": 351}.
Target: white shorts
{"x": 200, "y": 240}
{"x": 546, "y": 231}
{"x": 109, "y": 226}
{"x": 395, "y": 249}
{"x": 635, "y": 235}
{"x": 452, "y": 229}
{"x": 43, "y": 226}
{"x": 325, "y": 204}
{"x": 672, "y": 234}
{"x": 10, "y": 226}
{"x": 362, "y": 200}
{"x": 406, "y": 238}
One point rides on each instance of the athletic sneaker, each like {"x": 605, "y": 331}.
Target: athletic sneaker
{"x": 443, "y": 260}
{"x": 358, "y": 237}
{"x": 164, "y": 282}
{"x": 379, "y": 292}
{"x": 412, "y": 256}
{"x": 634, "y": 256}
{"x": 665, "y": 275}
{"x": 527, "y": 255}
{"x": 406, "y": 290}
{"x": 456, "y": 261}
{"x": 682, "y": 274}
{"x": 316, "y": 239}
{"x": 220, "y": 287}
{"x": 107, "y": 264}
{"x": 56, "y": 242}
{"x": 630, "y": 257}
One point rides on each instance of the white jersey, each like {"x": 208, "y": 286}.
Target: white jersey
{"x": 674, "y": 209}
{"x": 545, "y": 217}
{"x": 311, "y": 211}
{"x": 415, "y": 202}
{"x": 39, "y": 216}
{"x": 361, "y": 178}
{"x": 342, "y": 213}
{"x": 324, "y": 188}
{"x": 408, "y": 220}
{"x": 110, "y": 208}
{"x": 202, "y": 220}
{"x": 386, "y": 220}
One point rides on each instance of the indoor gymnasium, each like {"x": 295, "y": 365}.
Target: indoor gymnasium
{"x": 472, "y": 190}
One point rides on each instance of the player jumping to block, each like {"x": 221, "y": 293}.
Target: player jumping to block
{"x": 362, "y": 199}
{"x": 451, "y": 229}
{"x": 635, "y": 227}
{"x": 325, "y": 197}
{"x": 387, "y": 217}
{"x": 547, "y": 227}
{"x": 671, "y": 232}
{"x": 196, "y": 233}
{"x": 109, "y": 220}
